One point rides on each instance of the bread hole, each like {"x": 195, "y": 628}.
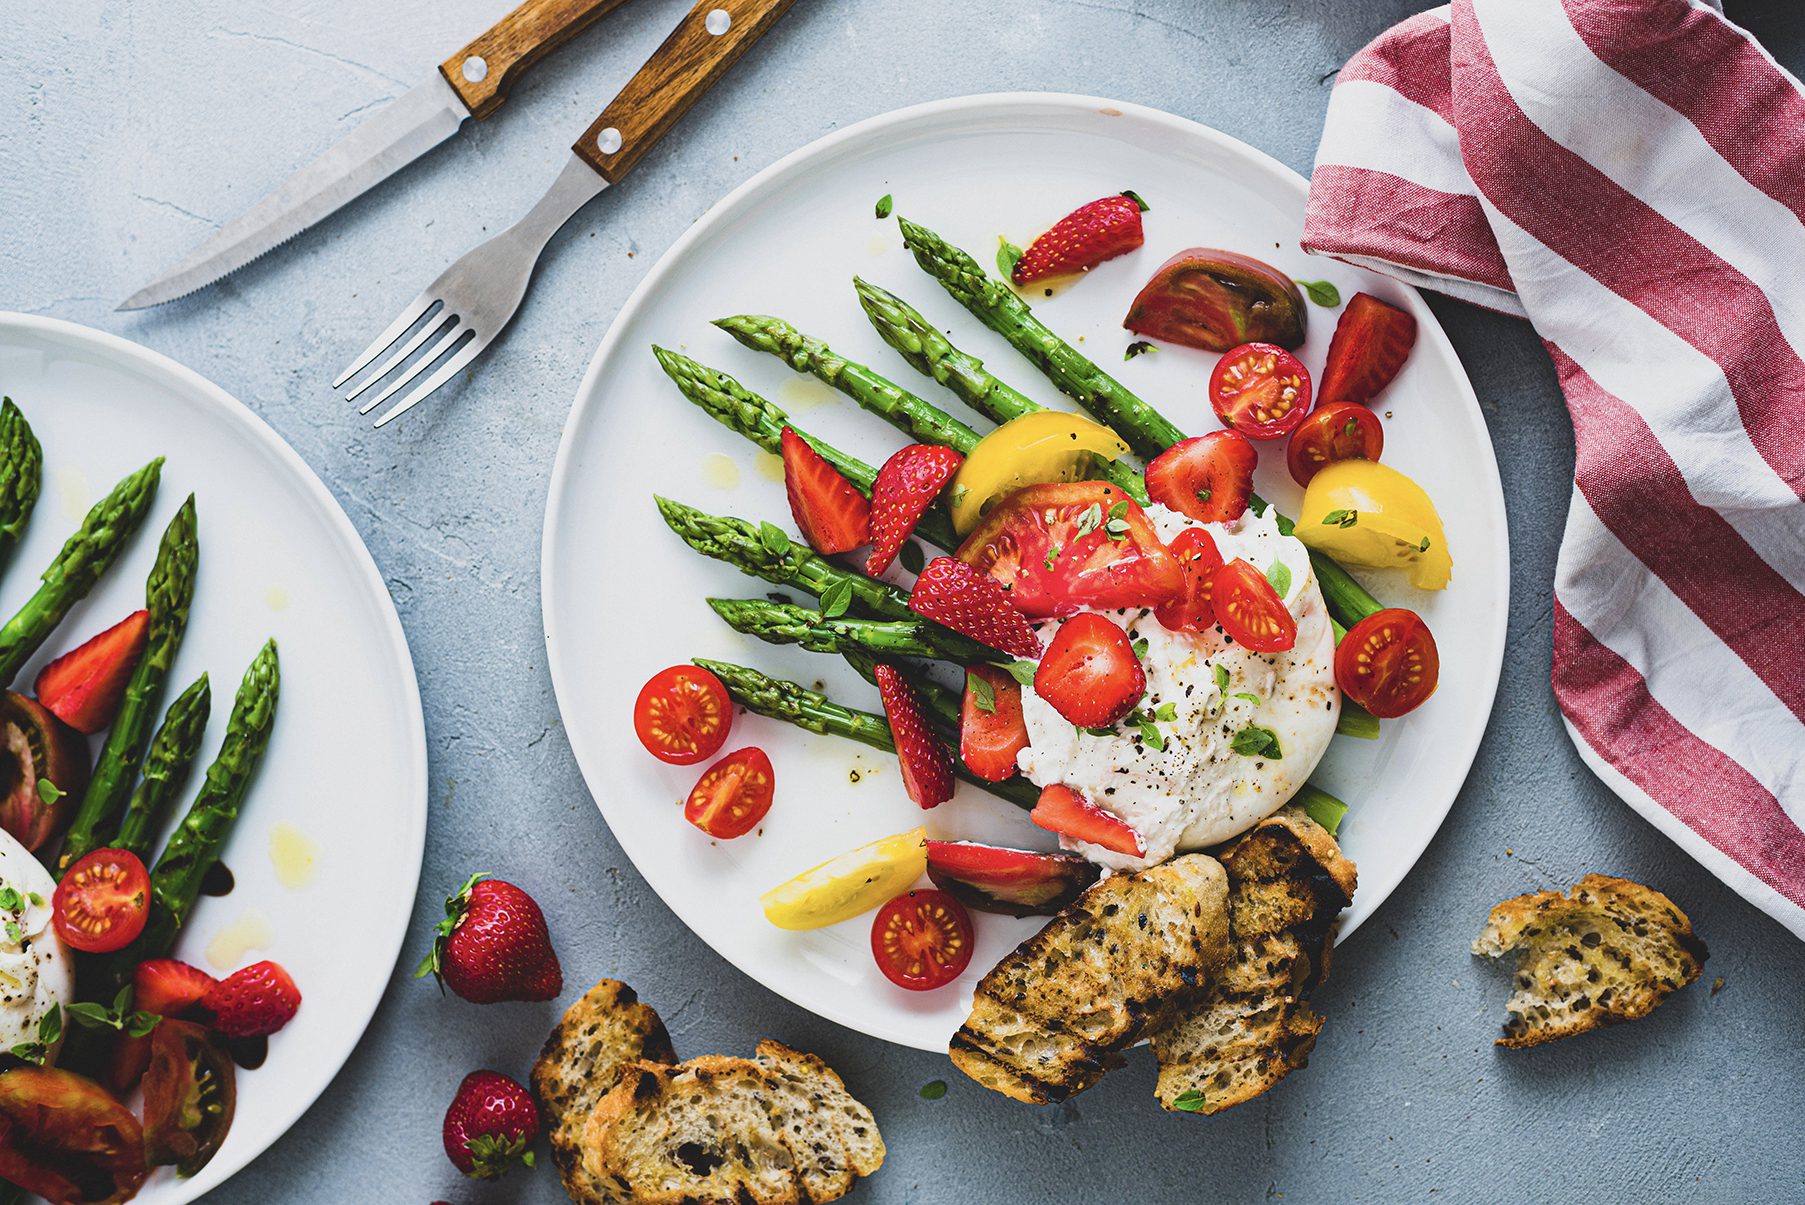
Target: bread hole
{"x": 698, "y": 1159}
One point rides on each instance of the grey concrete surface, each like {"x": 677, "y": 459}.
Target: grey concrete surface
{"x": 131, "y": 128}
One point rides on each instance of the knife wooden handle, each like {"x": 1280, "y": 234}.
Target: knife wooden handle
{"x": 482, "y": 72}
{"x": 701, "y": 49}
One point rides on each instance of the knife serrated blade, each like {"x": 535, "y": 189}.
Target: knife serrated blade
{"x": 403, "y": 130}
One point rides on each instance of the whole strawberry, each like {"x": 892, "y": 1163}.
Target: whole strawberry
{"x": 253, "y": 1002}
{"x": 493, "y": 945}
{"x": 490, "y": 1126}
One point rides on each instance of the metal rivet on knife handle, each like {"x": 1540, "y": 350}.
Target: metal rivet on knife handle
{"x": 482, "y": 72}
{"x": 695, "y": 55}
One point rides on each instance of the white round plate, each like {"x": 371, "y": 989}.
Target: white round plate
{"x": 346, "y": 767}
{"x": 623, "y": 596}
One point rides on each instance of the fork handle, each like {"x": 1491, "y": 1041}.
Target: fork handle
{"x": 699, "y": 51}
{"x": 482, "y": 72}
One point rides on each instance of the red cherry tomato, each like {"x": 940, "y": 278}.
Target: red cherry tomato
{"x": 1090, "y": 673}
{"x": 1054, "y": 549}
{"x": 1250, "y": 610}
{"x": 990, "y": 737}
{"x": 1192, "y": 611}
{"x": 1261, "y": 390}
{"x": 922, "y": 940}
{"x": 733, "y": 794}
{"x": 682, "y": 715}
{"x": 1387, "y": 662}
{"x": 1337, "y": 431}
{"x": 1208, "y": 477}
{"x": 102, "y": 903}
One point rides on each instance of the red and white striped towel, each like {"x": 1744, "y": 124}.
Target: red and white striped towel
{"x": 1629, "y": 175}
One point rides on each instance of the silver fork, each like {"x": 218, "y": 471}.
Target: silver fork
{"x": 459, "y": 315}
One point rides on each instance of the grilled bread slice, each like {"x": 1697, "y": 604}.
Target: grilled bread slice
{"x": 1608, "y": 950}
{"x": 1054, "y": 1015}
{"x": 602, "y": 1034}
{"x": 1253, "y": 1025}
{"x": 776, "y": 1130}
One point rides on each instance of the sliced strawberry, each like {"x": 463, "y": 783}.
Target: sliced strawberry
{"x": 927, "y": 768}
{"x": 253, "y": 1002}
{"x": 84, "y": 687}
{"x": 1209, "y": 477}
{"x": 1192, "y": 611}
{"x": 906, "y": 486}
{"x": 1090, "y": 673}
{"x": 169, "y": 987}
{"x": 1371, "y": 343}
{"x": 1015, "y": 882}
{"x": 991, "y": 731}
{"x": 833, "y": 516}
{"x": 950, "y": 592}
{"x": 1083, "y": 239}
{"x": 1064, "y": 811}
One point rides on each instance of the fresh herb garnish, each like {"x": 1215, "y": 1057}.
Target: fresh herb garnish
{"x": 1117, "y": 526}
{"x": 959, "y": 492}
{"x": 119, "y": 1017}
{"x": 1090, "y": 518}
{"x": 836, "y": 599}
{"x": 1254, "y": 741}
{"x": 1203, "y": 495}
{"x": 1221, "y": 679}
{"x": 1280, "y": 577}
{"x": 934, "y": 1089}
{"x": 49, "y": 792}
{"x": 1052, "y": 557}
{"x": 15, "y": 934}
{"x": 1095, "y": 731}
{"x": 1008, "y": 255}
{"x": 1249, "y": 695}
{"x": 1139, "y": 645}
{"x": 1021, "y": 671}
{"x": 1139, "y": 347}
{"x": 1188, "y": 1101}
{"x": 1165, "y": 713}
{"x": 773, "y": 538}
{"x": 1341, "y": 518}
{"x": 1424, "y": 546}
{"x": 1322, "y": 292}
{"x": 50, "y": 1031}
{"x": 911, "y": 557}
{"x": 885, "y": 204}
{"x": 1136, "y": 198}
{"x": 10, "y": 899}
{"x": 982, "y": 693}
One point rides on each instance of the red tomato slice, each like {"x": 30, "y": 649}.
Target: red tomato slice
{"x": 683, "y": 715}
{"x": 103, "y": 901}
{"x": 990, "y": 737}
{"x": 1388, "y": 663}
{"x": 1090, "y": 673}
{"x": 1261, "y": 390}
{"x": 65, "y": 1138}
{"x": 733, "y": 794}
{"x": 922, "y": 940}
{"x": 1372, "y": 341}
{"x": 1064, "y": 811}
{"x": 1250, "y": 610}
{"x": 1208, "y": 477}
{"x": 1337, "y": 431}
{"x": 1192, "y": 611}
{"x": 1053, "y": 548}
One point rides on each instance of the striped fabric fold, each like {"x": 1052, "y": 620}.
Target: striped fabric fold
{"x": 1628, "y": 175}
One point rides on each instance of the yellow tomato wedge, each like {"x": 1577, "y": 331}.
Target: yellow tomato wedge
{"x": 843, "y": 887}
{"x": 1042, "y": 446}
{"x": 1364, "y": 513}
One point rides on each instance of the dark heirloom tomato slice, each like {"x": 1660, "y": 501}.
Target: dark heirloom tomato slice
{"x": 1261, "y": 390}
{"x": 990, "y": 736}
{"x": 1250, "y": 610}
{"x": 733, "y": 794}
{"x": 682, "y": 715}
{"x": 190, "y": 1092}
{"x": 67, "y": 1139}
{"x": 1337, "y": 431}
{"x": 1192, "y": 611}
{"x": 1388, "y": 662}
{"x": 1215, "y": 299}
{"x": 1207, "y": 477}
{"x": 1060, "y": 548}
{"x": 1371, "y": 343}
{"x": 922, "y": 940}
{"x": 103, "y": 901}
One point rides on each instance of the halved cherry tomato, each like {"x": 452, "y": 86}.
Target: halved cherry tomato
{"x": 1208, "y": 477}
{"x": 1261, "y": 390}
{"x": 1193, "y": 612}
{"x": 1038, "y": 447}
{"x": 65, "y": 1138}
{"x": 1388, "y": 663}
{"x": 990, "y": 737}
{"x": 1250, "y": 610}
{"x": 102, "y": 903}
{"x": 922, "y": 940}
{"x": 683, "y": 715}
{"x": 1090, "y": 673}
{"x": 1064, "y": 811}
{"x": 190, "y": 1092}
{"x": 1058, "y": 549}
{"x": 733, "y": 794}
{"x": 1337, "y": 431}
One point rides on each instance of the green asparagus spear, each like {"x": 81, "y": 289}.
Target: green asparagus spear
{"x": 87, "y": 554}
{"x": 167, "y": 596}
{"x": 998, "y": 307}
{"x": 166, "y": 767}
{"x": 781, "y": 623}
{"x": 21, "y": 475}
{"x": 816, "y": 712}
{"x": 739, "y": 409}
{"x": 762, "y": 550}
{"x": 931, "y": 353}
